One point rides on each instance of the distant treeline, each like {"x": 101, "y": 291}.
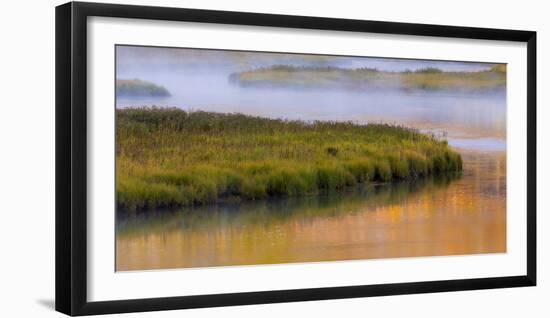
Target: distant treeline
{"x": 330, "y": 76}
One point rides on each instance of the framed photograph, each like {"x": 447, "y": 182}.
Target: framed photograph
{"x": 209, "y": 158}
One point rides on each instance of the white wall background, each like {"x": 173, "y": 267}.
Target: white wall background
{"x": 27, "y": 158}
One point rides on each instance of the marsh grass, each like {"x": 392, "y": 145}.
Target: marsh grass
{"x": 169, "y": 157}
{"x": 427, "y": 78}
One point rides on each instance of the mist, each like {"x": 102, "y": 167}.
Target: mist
{"x": 199, "y": 80}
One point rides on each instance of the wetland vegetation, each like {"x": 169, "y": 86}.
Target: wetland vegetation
{"x": 167, "y": 157}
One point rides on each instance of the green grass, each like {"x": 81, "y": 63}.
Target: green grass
{"x": 136, "y": 87}
{"x": 361, "y": 78}
{"x": 169, "y": 157}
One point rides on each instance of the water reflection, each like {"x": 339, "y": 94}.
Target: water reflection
{"x": 463, "y": 215}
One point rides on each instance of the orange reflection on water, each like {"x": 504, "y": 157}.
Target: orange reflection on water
{"x": 463, "y": 216}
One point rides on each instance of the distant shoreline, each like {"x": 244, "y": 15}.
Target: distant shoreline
{"x": 371, "y": 78}
{"x": 139, "y": 88}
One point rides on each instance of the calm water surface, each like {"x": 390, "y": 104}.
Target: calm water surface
{"x": 464, "y": 215}
{"x": 457, "y": 113}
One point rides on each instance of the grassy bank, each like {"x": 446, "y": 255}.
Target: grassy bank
{"x": 136, "y": 87}
{"x": 169, "y": 157}
{"x": 428, "y": 78}
{"x": 281, "y": 210}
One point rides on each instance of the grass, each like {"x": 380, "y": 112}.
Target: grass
{"x": 169, "y": 157}
{"x": 136, "y": 87}
{"x": 360, "y": 78}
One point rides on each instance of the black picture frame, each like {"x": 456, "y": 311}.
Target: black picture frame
{"x": 71, "y": 157}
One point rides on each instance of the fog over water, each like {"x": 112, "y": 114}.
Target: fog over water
{"x": 199, "y": 80}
